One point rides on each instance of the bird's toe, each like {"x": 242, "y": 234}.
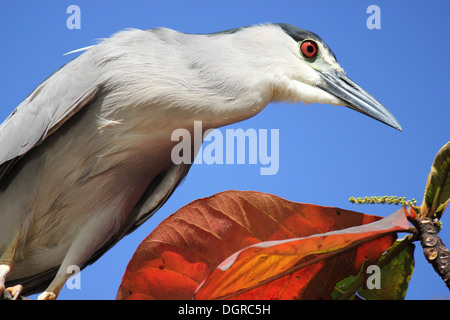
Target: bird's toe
{"x": 47, "y": 295}
{"x": 15, "y": 291}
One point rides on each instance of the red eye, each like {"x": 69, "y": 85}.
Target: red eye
{"x": 308, "y": 48}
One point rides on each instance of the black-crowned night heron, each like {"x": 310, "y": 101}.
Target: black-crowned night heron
{"x": 86, "y": 157}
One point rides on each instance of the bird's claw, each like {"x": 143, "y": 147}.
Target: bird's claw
{"x": 47, "y": 295}
{"x": 11, "y": 293}
{"x": 15, "y": 291}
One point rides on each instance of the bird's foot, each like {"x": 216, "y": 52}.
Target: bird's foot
{"x": 15, "y": 291}
{"x": 47, "y": 295}
{"x": 11, "y": 293}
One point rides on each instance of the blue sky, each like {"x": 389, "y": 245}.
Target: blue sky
{"x": 327, "y": 153}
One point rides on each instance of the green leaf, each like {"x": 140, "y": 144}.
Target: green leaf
{"x": 347, "y": 287}
{"x": 437, "y": 190}
{"x": 395, "y": 276}
{"x": 396, "y": 268}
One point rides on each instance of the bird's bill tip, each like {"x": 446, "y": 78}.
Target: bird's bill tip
{"x": 356, "y": 98}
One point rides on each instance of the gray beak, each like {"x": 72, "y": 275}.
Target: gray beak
{"x": 356, "y": 98}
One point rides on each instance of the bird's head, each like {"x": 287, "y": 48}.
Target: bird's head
{"x": 306, "y": 70}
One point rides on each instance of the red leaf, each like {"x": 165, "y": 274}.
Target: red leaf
{"x": 186, "y": 247}
{"x": 268, "y": 261}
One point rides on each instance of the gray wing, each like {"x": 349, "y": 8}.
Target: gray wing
{"x": 157, "y": 193}
{"x": 52, "y": 103}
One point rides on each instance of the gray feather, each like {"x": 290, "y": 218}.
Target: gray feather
{"x": 51, "y": 104}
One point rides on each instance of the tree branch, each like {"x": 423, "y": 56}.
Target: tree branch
{"x": 434, "y": 249}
